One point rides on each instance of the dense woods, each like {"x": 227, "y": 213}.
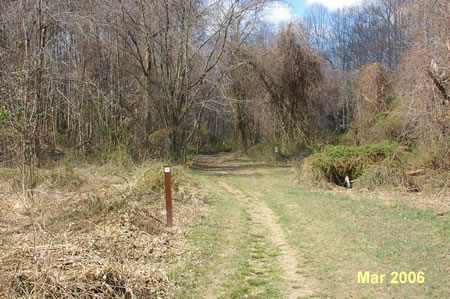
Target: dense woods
{"x": 161, "y": 79}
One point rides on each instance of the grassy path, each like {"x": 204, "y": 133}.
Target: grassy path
{"x": 266, "y": 237}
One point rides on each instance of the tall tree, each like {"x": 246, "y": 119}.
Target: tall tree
{"x": 177, "y": 46}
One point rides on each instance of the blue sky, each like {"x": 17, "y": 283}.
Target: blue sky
{"x": 298, "y": 6}
{"x": 284, "y": 11}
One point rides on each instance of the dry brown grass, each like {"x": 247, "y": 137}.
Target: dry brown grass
{"x": 88, "y": 233}
{"x": 312, "y": 178}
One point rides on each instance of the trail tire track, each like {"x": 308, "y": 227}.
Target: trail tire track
{"x": 264, "y": 218}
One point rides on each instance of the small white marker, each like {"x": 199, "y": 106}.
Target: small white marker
{"x": 166, "y": 169}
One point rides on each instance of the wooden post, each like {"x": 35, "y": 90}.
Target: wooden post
{"x": 167, "y": 179}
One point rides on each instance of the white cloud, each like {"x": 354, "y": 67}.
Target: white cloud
{"x": 334, "y": 4}
{"x": 278, "y": 13}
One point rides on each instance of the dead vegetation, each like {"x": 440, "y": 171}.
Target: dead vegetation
{"x": 384, "y": 165}
{"x": 90, "y": 233}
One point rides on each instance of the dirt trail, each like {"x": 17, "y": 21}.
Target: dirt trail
{"x": 288, "y": 242}
{"x": 262, "y": 215}
{"x": 262, "y": 219}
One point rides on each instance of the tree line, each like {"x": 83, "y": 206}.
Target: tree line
{"x": 165, "y": 77}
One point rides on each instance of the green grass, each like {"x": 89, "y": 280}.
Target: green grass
{"x": 339, "y": 236}
{"x": 335, "y": 237}
{"x": 227, "y": 258}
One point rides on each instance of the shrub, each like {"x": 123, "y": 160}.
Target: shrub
{"x": 7, "y": 145}
{"x": 263, "y": 152}
{"x": 63, "y": 177}
{"x": 217, "y": 145}
{"x": 152, "y": 181}
{"x": 387, "y": 173}
{"x": 118, "y": 156}
{"x": 334, "y": 163}
{"x": 431, "y": 152}
{"x": 158, "y": 143}
{"x": 314, "y": 177}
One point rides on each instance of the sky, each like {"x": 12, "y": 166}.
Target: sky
{"x": 284, "y": 11}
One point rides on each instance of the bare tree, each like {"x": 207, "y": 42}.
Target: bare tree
{"x": 291, "y": 75}
{"x": 424, "y": 78}
{"x": 177, "y": 46}
{"x": 317, "y": 29}
{"x": 24, "y": 62}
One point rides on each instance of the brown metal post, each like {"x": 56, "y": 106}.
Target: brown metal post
{"x": 167, "y": 179}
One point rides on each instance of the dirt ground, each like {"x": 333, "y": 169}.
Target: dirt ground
{"x": 262, "y": 219}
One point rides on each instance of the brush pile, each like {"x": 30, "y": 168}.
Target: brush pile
{"x": 366, "y": 166}
{"x": 89, "y": 233}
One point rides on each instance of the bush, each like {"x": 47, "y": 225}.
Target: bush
{"x": 152, "y": 181}
{"x": 286, "y": 150}
{"x": 158, "y": 143}
{"x": 431, "y": 152}
{"x": 335, "y": 163}
{"x": 62, "y": 177}
{"x": 217, "y": 145}
{"x": 118, "y": 156}
{"x": 7, "y": 145}
{"x": 388, "y": 173}
{"x": 205, "y": 143}
{"x": 263, "y": 152}
{"x": 314, "y": 177}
